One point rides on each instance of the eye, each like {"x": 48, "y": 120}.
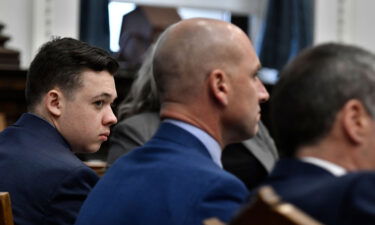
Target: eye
{"x": 99, "y": 103}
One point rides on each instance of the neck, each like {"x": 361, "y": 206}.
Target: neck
{"x": 332, "y": 152}
{"x": 201, "y": 119}
{"x": 44, "y": 115}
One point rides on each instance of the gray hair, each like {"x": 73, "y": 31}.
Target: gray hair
{"x": 143, "y": 95}
{"x": 314, "y": 87}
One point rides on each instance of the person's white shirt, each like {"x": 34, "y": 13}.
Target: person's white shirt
{"x": 329, "y": 166}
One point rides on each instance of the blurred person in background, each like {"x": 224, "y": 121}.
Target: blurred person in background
{"x": 323, "y": 110}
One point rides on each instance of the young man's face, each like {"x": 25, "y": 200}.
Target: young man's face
{"x": 87, "y": 116}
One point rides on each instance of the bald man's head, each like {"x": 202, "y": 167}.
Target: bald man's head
{"x": 206, "y": 73}
{"x": 189, "y": 50}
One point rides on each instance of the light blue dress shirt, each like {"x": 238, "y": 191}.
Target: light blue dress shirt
{"x": 209, "y": 142}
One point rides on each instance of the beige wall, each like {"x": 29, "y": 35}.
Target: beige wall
{"x": 238, "y": 6}
{"x": 30, "y": 23}
{"x": 17, "y": 17}
{"x": 345, "y": 21}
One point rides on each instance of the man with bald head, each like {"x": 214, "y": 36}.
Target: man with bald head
{"x": 206, "y": 76}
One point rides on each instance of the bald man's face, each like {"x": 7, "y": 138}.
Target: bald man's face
{"x": 247, "y": 91}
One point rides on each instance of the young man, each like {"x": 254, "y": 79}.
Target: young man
{"x": 205, "y": 72}
{"x": 69, "y": 91}
{"x": 323, "y": 111}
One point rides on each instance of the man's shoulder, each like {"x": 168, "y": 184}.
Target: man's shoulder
{"x": 291, "y": 168}
{"x": 28, "y": 150}
{"x": 294, "y": 179}
{"x": 162, "y": 161}
{"x": 31, "y": 131}
{"x": 312, "y": 181}
{"x": 361, "y": 179}
{"x": 332, "y": 200}
{"x": 171, "y": 151}
{"x": 306, "y": 172}
{"x": 165, "y": 168}
{"x": 166, "y": 154}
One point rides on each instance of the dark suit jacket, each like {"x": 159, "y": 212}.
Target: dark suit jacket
{"x": 251, "y": 160}
{"x": 170, "y": 180}
{"x": 131, "y": 133}
{"x": 134, "y": 131}
{"x": 349, "y": 199}
{"x": 46, "y": 181}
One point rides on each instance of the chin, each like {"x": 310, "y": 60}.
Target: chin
{"x": 251, "y": 132}
{"x": 92, "y": 150}
{"x": 88, "y": 150}
{"x": 256, "y": 129}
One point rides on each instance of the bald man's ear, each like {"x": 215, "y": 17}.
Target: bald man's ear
{"x": 356, "y": 121}
{"x": 53, "y": 102}
{"x": 219, "y": 86}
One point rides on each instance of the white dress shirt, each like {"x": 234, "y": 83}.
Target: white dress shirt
{"x": 329, "y": 166}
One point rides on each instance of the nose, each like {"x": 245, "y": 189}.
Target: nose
{"x": 109, "y": 117}
{"x": 262, "y": 92}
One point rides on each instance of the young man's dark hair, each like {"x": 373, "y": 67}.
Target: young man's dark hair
{"x": 59, "y": 63}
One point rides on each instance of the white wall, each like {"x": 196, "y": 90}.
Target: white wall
{"x": 54, "y": 18}
{"x": 238, "y": 6}
{"x": 16, "y": 15}
{"x": 345, "y": 21}
{"x": 30, "y": 23}
{"x": 363, "y": 28}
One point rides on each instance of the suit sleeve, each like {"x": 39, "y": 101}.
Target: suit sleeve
{"x": 222, "y": 199}
{"x": 68, "y": 198}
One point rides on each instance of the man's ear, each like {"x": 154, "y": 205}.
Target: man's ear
{"x": 53, "y": 102}
{"x": 356, "y": 120}
{"x": 219, "y": 86}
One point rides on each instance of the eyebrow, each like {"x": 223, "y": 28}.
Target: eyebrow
{"x": 257, "y": 69}
{"x": 103, "y": 95}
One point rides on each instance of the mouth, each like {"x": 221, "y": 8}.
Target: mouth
{"x": 104, "y": 136}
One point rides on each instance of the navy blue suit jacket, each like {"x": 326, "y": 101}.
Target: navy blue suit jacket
{"x": 46, "y": 181}
{"x": 349, "y": 199}
{"x": 170, "y": 180}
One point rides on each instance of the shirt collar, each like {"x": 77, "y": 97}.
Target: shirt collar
{"x": 329, "y": 166}
{"x": 209, "y": 142}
